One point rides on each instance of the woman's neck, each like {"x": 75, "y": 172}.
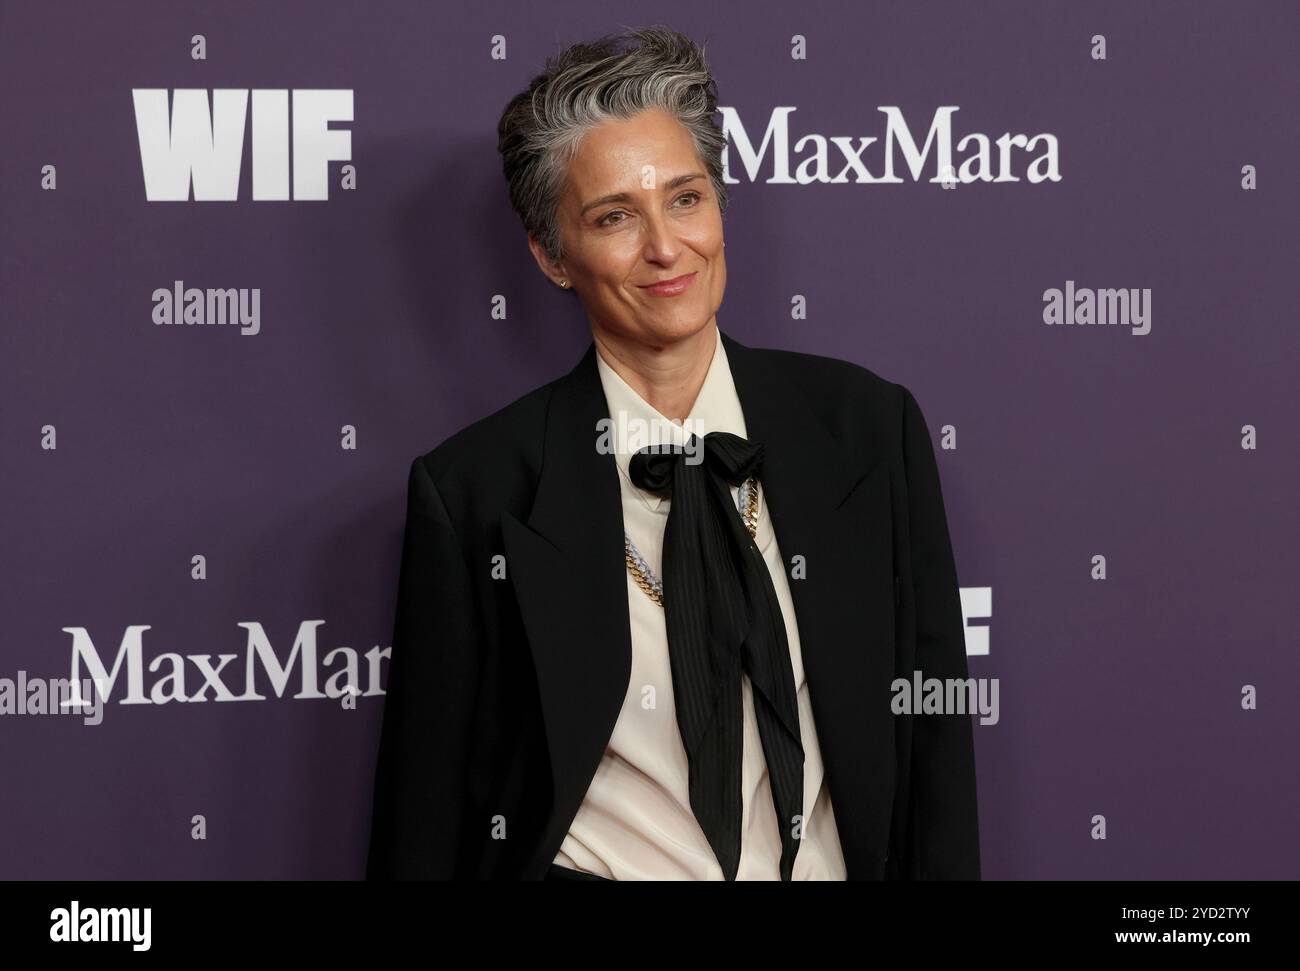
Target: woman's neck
{"x": 668, "y": 377}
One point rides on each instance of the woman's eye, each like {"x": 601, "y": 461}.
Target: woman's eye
{"x": 608, "y": 220}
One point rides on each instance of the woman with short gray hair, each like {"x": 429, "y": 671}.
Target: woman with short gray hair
{"x": 605, "y": 665}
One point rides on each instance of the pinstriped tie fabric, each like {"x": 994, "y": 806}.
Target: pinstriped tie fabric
{"x": 722, "y": 617}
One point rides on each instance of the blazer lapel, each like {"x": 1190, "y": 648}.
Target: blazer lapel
{"x": 836, "y": 516}
{"x": 567, "y": 567}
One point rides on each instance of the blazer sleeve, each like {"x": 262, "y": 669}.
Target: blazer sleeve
{"x": 943, "y": 827}
{"x": 421, "y": 776}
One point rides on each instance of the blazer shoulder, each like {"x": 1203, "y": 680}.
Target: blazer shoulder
{"x": 844, "y": 393}
{"x": 492, "y": 464}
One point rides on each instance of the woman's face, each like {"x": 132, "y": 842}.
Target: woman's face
{"x": 638, "y": 208}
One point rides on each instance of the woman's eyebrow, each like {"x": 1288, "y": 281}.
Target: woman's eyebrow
{"x": 669, "y": 186}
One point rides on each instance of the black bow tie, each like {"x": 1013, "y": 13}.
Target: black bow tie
{"x": 722, "y": 616}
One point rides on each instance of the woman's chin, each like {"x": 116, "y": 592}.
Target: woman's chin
{"x": 672, "y": 328}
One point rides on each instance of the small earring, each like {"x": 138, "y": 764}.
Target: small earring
{"x": 565, "y": 284}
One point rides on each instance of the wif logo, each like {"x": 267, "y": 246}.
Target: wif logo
{"x": 204, "y": 146}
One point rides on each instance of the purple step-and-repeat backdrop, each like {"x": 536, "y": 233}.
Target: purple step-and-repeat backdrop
{"x": 254, "y": 257}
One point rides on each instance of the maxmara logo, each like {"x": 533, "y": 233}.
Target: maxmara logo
{"x": 836, "y": 159}
{"x": 194, "y": 677}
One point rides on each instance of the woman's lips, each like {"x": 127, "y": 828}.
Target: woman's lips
{"x": 670, "y": 288}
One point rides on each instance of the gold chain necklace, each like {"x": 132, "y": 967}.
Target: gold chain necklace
{"x": 644, "y": 576}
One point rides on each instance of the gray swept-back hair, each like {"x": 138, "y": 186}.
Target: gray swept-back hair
{"x": 589, "y": 83}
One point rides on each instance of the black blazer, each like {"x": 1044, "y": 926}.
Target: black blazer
{"x": 503, "y": 690}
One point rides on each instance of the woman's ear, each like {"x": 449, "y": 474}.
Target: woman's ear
{"x": 555, "y": 272}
